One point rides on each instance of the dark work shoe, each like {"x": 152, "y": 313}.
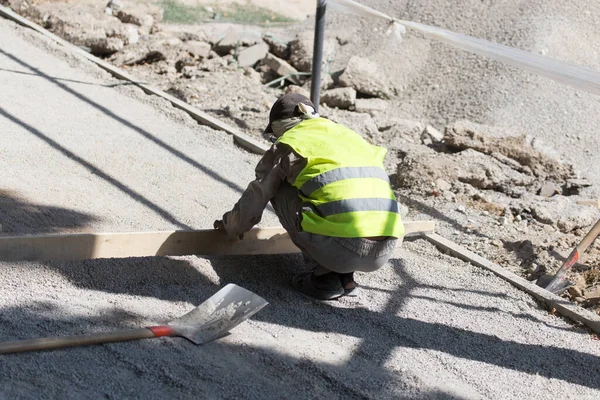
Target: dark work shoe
{"x": 323, "y": 287}
{"x": 349, "y": 285}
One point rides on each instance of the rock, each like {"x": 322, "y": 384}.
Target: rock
{"x": 397, "y": 131}
{"x": 461, "y": 209}
{"x": 362, "y": 124}
{"x": 365, "y": 76}
{"x": 574, "y": 186}
{"x": 370, "y": 106}
{"x": 213, "y": 64}
{"x": 420, "y": 164}
{"x": 278, "y": 47}
{"x": 301, "y": 51}
{"x": 297, "y": 89}
{"x": 114, "y": 5}
{"x": 197, "y": 48}
{"x": 281, "y": 67}
{"x": 443, "y": 185}
{"x": 490, "y": 140}
{"x": 227, "y": 44}
{"x": 234, "y": 39}
{"x": 431, "y": 135}
{"x": 253, "y": 54}
{"x": 136, "y": 17}
{"x": 561, "y": 212}
{"x": 106, "y": 46}
{"x": 185, "y": 62}
{"x": 340, "y": 97}
{"x": 548, "y": 189}
{"x": 580, "y": 299}
{"x": 593, "y": 295}
{"x": 126, "y": 32}
{"x": 574, "y": 291}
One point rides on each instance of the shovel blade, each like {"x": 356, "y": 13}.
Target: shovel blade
{"x": 215, "y": 317}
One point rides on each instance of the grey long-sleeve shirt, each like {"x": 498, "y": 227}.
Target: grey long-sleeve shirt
{"x": 279, "y": 164}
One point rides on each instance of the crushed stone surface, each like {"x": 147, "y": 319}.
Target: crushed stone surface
{"x": 80, "y": 154}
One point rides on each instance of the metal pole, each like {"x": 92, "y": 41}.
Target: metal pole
{"x": 315, "y": 89}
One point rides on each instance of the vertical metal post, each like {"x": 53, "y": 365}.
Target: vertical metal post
{"x": 315, "y": 89}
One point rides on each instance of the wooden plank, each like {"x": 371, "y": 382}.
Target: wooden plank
{"x": 83, "y": 246}
{"x": 243, "y": 140}
{"x": 552, "y": 301}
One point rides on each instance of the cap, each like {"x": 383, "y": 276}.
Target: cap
{"x": 286, "y": 107}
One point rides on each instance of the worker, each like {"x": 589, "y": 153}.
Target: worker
{"x": 331, "y": 193}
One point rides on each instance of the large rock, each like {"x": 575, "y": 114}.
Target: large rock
{"x": 105, "y": 46}
{"x": 253, "y": 54}
{"x": 128, "y": 33}
{"x": 562, "y": 213}
{"x": 198, "y": 49}
{"x": 362, "y": 124}
{"x": 278, "y": 47}
{"x": 301, "y": 51}
{"x": 281, "y": 67}
{"x": 340, "y": 97}
{"x": 365, "y": 76}
{"x": 518, "y": 148}
{"x": 234, "y": 39}
{"x": 143, "y": 15}
{"x": 420, "y": 167}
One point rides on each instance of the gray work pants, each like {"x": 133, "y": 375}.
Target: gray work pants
{"x": 324, "y": 254}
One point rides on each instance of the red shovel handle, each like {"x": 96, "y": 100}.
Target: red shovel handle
{"x": 83, "y": 340}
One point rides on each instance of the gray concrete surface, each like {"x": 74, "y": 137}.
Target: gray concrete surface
{"x": 81, "y": 154}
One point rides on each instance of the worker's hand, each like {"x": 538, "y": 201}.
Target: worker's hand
{"x": 219, "y": 225}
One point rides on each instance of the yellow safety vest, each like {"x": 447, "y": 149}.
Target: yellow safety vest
{"x": 344, "y": 187}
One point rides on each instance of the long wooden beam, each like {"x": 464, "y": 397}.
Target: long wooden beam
{"x": 552, "y": 301}
{"x": 82, "y": 246}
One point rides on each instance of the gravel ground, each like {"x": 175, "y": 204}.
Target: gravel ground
{"x": 425, "y": 326}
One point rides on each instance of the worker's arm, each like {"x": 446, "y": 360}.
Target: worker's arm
{"x": 271, "y": 171}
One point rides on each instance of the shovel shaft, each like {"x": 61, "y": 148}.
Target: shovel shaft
{"x": 574, "y": 257}
{"x": 83, "y": 340}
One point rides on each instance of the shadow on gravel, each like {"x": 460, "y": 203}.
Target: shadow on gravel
{"x": 158, "y": 277}
{"x": 12, "y": 71}
{"x": 95, "y": 170}
{"x": 127, "y": 124}
{"x": 268, "y": 276}
{"x": 20, "y": 217}
{"x": 172, "y": 367}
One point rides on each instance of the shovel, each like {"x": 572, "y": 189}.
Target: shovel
{"x": 211, "y": 320}
{"x": 558, "y": 283}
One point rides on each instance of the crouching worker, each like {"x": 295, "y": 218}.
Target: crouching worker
{"x": 331, "y": 193}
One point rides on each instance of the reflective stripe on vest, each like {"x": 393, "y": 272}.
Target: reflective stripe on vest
{"x": 353, "y": 205}
{"x": 342, "y": 173}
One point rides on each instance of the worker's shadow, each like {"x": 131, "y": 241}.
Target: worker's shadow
{"x": 19, "y": 216}
{"x": 269, "y": 277}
